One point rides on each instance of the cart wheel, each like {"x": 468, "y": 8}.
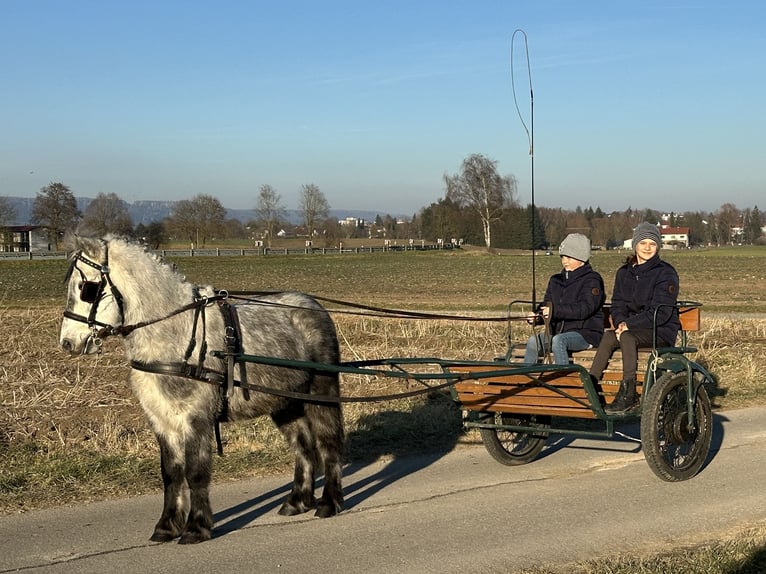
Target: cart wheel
{"x": 674, "y": 451}
{"x": 515, "y": 447}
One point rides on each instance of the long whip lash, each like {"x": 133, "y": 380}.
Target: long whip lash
{"x": 531, "y": 138}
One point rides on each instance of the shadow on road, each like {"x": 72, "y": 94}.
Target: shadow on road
{"x": 411, "y": 441}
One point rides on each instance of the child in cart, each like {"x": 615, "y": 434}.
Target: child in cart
{"x": 573, "y": 304}
{"x": 645, "y": 287}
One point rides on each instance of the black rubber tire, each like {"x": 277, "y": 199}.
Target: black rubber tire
{"x": 514, "y": 448}
{"x": 671, "y": 450}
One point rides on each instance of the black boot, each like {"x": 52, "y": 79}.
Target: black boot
{"x": 626, "y": 399}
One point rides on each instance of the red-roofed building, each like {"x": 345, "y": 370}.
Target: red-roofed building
{"x": 674, "y": 237}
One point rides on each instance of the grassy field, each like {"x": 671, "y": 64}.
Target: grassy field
{"x": 70, "y": 430}
{"x": 725, "y": 280}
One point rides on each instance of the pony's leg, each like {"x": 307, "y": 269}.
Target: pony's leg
{"x": 199, "y": 522}
{"x": 326, "y": 421}
{"x": 294, "y": 426}
{"x": 174, "y": 507}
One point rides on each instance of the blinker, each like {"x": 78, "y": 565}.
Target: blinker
{"x": 89, "y": 291}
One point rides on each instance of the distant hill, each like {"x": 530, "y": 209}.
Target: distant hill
{"x": 150, "y": 211}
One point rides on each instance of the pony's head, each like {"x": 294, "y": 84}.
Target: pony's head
{"x": 94, "y": 304}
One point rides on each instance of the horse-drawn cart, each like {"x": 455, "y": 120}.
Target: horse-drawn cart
{"x": 516, "y": 406}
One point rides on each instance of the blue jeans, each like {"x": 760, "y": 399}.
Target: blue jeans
{"x": 560, "y": 346}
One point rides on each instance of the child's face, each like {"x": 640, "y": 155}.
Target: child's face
{"x": 645, "y": 250}
{"x": 570, "y": 263}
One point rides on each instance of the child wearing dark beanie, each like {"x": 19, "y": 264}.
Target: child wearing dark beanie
{"x": 643, "y": 312}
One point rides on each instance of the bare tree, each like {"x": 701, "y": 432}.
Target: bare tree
{"x": 479, "y": 187}
{"x": 55, "y": 207}
{"x": 7, "y": 216}
{"x": 7, "y": 212}
{"x": 314, "y": 207}
{"x": 270, "y": 210}
{"x": 198, "y": 219}
{"x": 108, "y": 214}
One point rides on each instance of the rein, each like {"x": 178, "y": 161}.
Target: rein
{"x": 374, "y": 311}
{"x": 93, "y": 292}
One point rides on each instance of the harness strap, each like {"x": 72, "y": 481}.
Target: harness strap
{"x": 185, "y": 370}
{"x": 233, "y": 342}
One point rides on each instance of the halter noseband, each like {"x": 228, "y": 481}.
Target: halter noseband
{"x": 92, "y": 292}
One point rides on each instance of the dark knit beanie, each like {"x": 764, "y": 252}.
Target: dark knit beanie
{"x": 645, "y": 230}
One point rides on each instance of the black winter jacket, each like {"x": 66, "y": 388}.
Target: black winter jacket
{"x": 578, "y": 299}
{"x": 639, "y": 290}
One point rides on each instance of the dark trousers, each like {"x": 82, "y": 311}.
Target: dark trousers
{"x": 629, "y": 343}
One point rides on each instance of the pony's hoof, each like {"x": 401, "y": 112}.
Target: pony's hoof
{"x": 293, "y": 509}
{"x": 326, "y": 510}
{"x": 289, "y": 510}
{"x": 162, "y": 536}
{"x": 194, "y": 537}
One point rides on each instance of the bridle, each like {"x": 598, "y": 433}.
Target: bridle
{"x": 93, "y": 292}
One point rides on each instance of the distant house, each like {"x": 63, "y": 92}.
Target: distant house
{"x": 24, "y": 238}
{"x": 671, "y": 237}
{"x": 675, "y": 237}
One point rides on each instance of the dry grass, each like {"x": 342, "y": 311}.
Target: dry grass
{"x": 740, "y": 553}
{"x": 70, "y": 428}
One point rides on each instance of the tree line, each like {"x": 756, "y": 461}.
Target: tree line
{"x": 479, "y": 207}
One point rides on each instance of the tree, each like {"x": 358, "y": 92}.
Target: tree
{"x": 270, "y": 210}
{"x": 751, "y": 226}
{"x": 479, "y": 187}
{"x": 7, "y": 216}
{"x": 55, "y": 208}
{"x": 727, "y": 217}
{"x": 7, "y": 212}
{"x": 198, "y": 219}
{"x": 108, "y": 214}
{"x": 554, "y": 222}
{"x": 536, "y": 228}
{"x": 152, "y": 235}
{"x": 314, "y": 207}
{"x": 443, "y": 220}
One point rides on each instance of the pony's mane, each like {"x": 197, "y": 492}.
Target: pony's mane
{"x": 93, "y": 247}
{"x": 141, "y": 252}
{"x": 142, "y": 276}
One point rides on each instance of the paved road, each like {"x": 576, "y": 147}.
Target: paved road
{"x": 448, "y": 513}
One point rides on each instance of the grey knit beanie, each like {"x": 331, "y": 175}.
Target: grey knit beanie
{"x": 645, "y": 230}
{"x": 575, "y": 245}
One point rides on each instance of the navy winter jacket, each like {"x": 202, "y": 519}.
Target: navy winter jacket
{"x": 639, "y": 290}
{"x": 578, "y": 300}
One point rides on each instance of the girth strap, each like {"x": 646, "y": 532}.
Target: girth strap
{"x": 233, "y": 340}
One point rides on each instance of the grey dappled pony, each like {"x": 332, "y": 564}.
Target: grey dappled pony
{"x": 117, "y": 287}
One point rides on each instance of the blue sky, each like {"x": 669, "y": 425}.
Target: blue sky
{"x": 643, "y": 104}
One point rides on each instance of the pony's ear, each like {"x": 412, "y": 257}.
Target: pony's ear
{"x": 76, "y": 242}
{"x": 70, "y": 241}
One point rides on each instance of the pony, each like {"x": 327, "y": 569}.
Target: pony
{"x": 117, "y": 287}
